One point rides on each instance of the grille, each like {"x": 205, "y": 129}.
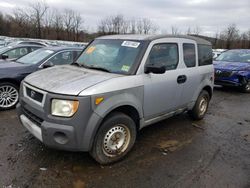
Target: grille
{"x": 223, "y": 74}
{"x": 34, "y": 95}
{"x": 38, "y": 121}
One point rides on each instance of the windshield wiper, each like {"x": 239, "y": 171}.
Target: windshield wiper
{"x": 97, "y": 68}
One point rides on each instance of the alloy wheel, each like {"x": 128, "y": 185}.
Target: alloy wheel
{"x": 8, "y": 96}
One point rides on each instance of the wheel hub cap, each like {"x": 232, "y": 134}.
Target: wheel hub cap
{"x": 203, "y": 106}
{"x": 8, "y": 96}
{"x": 116, "y": 140}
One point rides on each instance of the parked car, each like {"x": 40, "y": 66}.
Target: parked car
{"x": 12, "y": 73}
{"x": 15, "y": 52}
{"x": 217, "y": 52}
{"x": 28, "y": 43}
{"x": 232, "y": 68}
{"x": 117, "y": 86}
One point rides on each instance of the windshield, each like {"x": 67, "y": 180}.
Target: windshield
{"x": 115, "y": 56}
{"x": 35, "y": 56}
{"x": 235, "y": 56}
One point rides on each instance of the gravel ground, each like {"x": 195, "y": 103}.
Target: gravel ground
{"x": 177, "y": 152}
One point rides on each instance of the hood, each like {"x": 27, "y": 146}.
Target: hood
{"x": 8, "y": 68}
{"x": 67, "y": 80}
{"x": 232, "y": 66}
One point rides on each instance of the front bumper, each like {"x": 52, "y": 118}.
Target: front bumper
{"x": 227, "y": 83}
{"x": 73, "y": 134}
{"x": 227, "y": 78}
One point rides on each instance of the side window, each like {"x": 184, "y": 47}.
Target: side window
{"x": 33, "y": 48}
{"x": 62, "y": 58}
{"x": 17, "y": 52}
{"x": 189, "y": 54}
{"x": 205, "y": 55}
{"x": 164, "y": 55}
{"x": 76, "y": 54}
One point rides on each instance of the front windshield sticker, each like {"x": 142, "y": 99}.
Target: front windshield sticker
{"x": 90, "y": 50}
{"x": 125, "y": 68}
{"x": 131, "y": 44}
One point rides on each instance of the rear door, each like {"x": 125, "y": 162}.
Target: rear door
{"x": 195, "y": 71}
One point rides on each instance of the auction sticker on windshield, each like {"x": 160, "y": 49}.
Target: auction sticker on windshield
{"x": 125, "y": 68}
{"x": 90, "y": 50}
{"x": 131, "y": 44}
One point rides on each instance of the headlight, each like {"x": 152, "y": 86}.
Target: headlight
{"x": 64, "y": 108}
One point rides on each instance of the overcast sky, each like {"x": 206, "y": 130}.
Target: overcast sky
{"x": 211, "y": 15}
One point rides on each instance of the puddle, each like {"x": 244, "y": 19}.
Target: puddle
{"x": 172, "y": 145}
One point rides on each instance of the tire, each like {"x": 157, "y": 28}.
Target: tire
{"x": 9, "y": 95}
{"x": 246, "y": 88}
{"x": 200, "y": 108}
{"x": 117, "y": 126}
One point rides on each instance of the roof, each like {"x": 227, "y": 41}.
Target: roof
{"x": 240, "y": 50}
{"x": 24, "y": 45}
{"x": 154, "y": 37}
{"x": 59, "y": 48}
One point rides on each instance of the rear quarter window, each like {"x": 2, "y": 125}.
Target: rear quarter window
{"x": 205, "y": 55}
{"x": 189, "y": 55}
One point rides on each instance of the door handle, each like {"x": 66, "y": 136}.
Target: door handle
{"x": 181, "y": 79}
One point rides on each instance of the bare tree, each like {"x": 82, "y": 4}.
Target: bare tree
{"x": 188, "y": 32}
{"x": 147, "y": 25}
{"x": 68, "y": 21}
{"x": 139, "y": 26}
{"x": 58, "y": 23}
{"x": 197, "y": 30}
{"x": 132, "y": 26}
{"x": 77, "y": 25}
{"x": 230, "y": 35}
{"x": 48, "y": 21}
{"x": 175, "y": 30}
{"x": 38, "y": 11}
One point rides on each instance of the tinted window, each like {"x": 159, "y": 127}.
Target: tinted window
{"x": 17, "y": 52}
{"x": 76, "y": 54}
{"x": 62, "y": 58}
{"x": 189, "y": 55}
{"x": 205, "y": 55}
{"x": 34, "y": 48}
{"x": 36, "y": 56}
{"x": 164, "y": 55}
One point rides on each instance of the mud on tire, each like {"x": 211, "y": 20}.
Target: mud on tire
{"x": 114, "y": 139}
{"x": 200, "y": 108}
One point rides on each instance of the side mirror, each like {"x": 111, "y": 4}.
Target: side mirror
{"x": 4, "y": 56}
{"x": 149, "y": 68}
{"x": 48, "y": 64}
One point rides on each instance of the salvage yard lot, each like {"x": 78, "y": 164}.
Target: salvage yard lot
{"x": 177, "y": 152}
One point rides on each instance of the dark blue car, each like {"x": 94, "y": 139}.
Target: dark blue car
{"x": 13, "y": 72}
{"x": 232, "y": 68}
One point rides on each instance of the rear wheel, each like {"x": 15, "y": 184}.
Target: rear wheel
{"x": 114, "y": 139}
{"x": 201, "y": 106}
{"x": 8, "y": 95}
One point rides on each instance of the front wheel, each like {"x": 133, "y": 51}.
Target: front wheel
{"x": 8, "y": 95}
{"x": 246, "y": 88}
{"x": 114, "y": 139}
{"x": 201, "y": 106}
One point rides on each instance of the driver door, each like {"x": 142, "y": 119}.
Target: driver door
{"x": 161, "y": 91}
